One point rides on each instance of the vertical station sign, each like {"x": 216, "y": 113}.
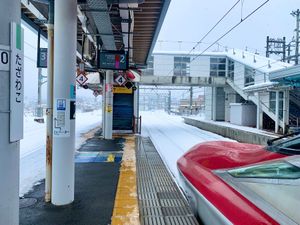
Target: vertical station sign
{"x": 16, "y": 82}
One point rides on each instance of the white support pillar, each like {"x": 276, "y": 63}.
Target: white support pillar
{"x": 9, "y": 151}
{"x": 108, "y": 104}
{"x": 103, "y": 108}
{"x": 214, "y": 103}
{"x": 285, "y": 110}
{"x": 277, "y": 112}
{"x": 259, "y": 113}
{"x": 136, "y": 105}
{"x": 65, "y": 25}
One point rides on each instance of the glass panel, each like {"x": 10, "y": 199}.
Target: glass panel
{"x": 278, "y": 170}
{"x": 222, "y": 74}
{"x": 213, "y": 66}
{"x": 222, "y": 60}
{"x": 213, "y": 60}
{"x": 213, "y": 73}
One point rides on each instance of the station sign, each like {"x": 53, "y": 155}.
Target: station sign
{"x": 112, "y": 60}
{"x": 16, "y": 82}
{"x": 4, "y": 58}
{"x": 42, "y": 58}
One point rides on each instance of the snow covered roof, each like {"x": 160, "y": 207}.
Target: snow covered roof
{"x": 257, "y": 62}
{"x": 260, "y": 86}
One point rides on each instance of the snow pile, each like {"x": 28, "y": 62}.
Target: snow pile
{"x": 33, "y": 146}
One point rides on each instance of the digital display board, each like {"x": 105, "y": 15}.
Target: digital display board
{"x": 112, "y": 60}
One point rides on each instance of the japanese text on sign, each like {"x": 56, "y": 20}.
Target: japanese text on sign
{"x": 16, "y": 83}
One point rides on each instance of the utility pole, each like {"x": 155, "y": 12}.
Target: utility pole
{"x": 296, "y": 14}
{"x": 276, "y": 46}
{"x": 11, "y": 108}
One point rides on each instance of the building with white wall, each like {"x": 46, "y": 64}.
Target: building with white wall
{"x": 247, "y": 84}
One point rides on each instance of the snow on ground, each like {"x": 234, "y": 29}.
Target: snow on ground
{"x": 172, "y": 137}
{"x": 235, "y": 126}
{"x": 33, "y": 146}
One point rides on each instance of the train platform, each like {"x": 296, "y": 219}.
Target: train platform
{"x": 119, "y": 182}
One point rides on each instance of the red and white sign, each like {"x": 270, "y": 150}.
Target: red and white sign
{"x": 81, "y": 79}
{"x": 120, "y": 80}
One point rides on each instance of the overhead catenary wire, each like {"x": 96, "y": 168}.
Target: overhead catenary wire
{"x": 219, "y": 21}
{"x": 232, "y": 28}
{"x": 226, "y": 33}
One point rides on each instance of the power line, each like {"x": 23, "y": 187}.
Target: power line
{"x": 231, "y": 29}
{"x": 211, "y": 30}
{"x": 220, "y": 20}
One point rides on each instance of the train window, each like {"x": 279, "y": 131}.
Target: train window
{"x": 277, "y": 170}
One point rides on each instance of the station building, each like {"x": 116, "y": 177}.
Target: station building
{"x": 255, "y": 91}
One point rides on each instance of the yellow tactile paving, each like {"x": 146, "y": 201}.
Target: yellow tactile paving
{"x": 126, "y": 211}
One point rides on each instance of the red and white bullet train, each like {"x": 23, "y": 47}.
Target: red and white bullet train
{"x": 243, "y": 184}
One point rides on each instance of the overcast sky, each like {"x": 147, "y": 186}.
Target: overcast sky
{"x": 189, "y": 20}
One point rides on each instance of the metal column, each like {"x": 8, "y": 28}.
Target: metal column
{"x": 9, "y": 152}
{"x": 49, "y": 111}
{"x": 108, "y": 104}
{"x": 65, "y": 26}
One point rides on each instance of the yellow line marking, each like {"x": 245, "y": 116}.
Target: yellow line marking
{"x": 126, "y": 210}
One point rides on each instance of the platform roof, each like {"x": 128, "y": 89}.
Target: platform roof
{"x": 108, "y": 19}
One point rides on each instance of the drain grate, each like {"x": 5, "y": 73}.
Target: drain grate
{"x": 26, "y": 202}
{"x": 160, "y": 200}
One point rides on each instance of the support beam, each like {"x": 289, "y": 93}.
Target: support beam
{"x": 65, "y": 20}
{"x": 109, "y": 81}
{"x": 9, "y": 151}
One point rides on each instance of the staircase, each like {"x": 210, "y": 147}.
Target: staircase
{"x": 254, "y": 99}
{"x": 294, "y": 117}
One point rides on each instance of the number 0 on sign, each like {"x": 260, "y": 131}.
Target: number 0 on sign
{"x": 4, "y": 58}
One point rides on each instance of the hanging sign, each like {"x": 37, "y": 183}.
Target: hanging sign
{"x": 112, "y": 60}
{"x": 120, "y": 80}
{"x": 16, "y": 82}
{"x": 42, "y": 58}
{"x": 81, "y": 79}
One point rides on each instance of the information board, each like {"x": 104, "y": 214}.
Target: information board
{"x": 112, "y": 60}
{"x": 42, "y": 58}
